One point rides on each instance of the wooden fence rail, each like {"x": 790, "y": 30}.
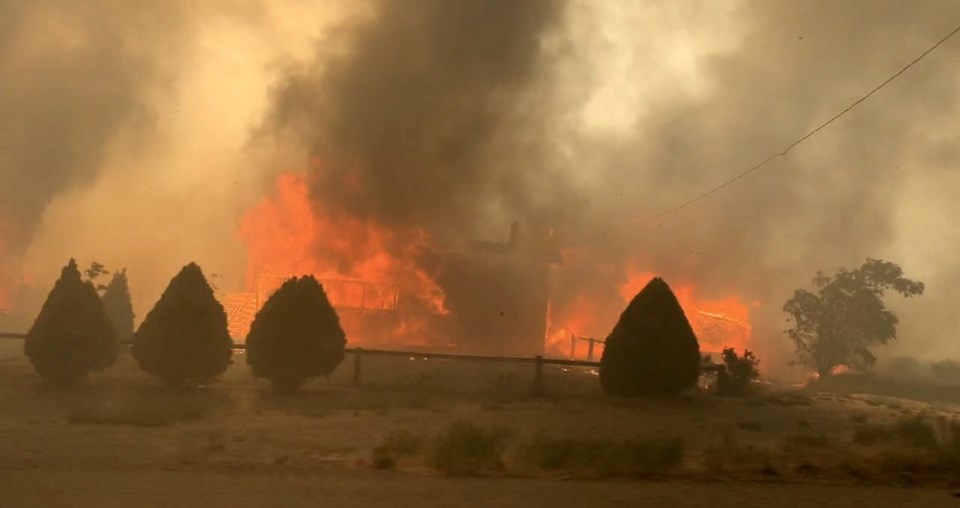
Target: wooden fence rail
{"x": 537, "y": 361}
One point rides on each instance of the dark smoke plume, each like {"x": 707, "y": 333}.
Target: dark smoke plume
{"x": 435, "y": 116}
{"x": 423, "y": 114}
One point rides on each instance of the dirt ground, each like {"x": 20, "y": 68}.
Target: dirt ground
{"x": 122, "y": 439}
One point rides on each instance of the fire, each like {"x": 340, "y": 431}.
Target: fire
{"x": 566, "y": 327}
{"x": 373, "y": 274}
{"x": 364, "y": 267}
{"x": 717, "y": 322}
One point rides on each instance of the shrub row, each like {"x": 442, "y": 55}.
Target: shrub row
{"x": 184, "y": 339}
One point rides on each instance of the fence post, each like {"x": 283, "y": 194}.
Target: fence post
{"x": 357, "y": 356}
{"x": 538, "y": 375}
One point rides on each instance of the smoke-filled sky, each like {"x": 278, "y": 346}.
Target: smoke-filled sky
{"x": 136, "y": 135}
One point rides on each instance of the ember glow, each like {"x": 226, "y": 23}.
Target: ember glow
{"x": 374, "y": 276}
{"x": 365, "y": 268}
{"x": 718, "y": 322}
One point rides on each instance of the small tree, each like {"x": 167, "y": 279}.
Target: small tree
{"x": 116, "y": 301}
{"x": 846, "y": 316}
{"x": 95, "y": 271}
{"x": 184, "y": 338}
{"x": 72, "y": 334}
{"x": 738, "y": 372}
{"x": 295, "y": 336}
{"x": 652, "y": 349}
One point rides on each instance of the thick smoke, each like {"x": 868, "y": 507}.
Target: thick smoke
{"x": 458, "y": 115}
{"x": 74, "y": 75}
{"x": 832, "y": 201}
{"x": 123, "y": 134}
{"x": 425, "y": 114}
{"x": 124, "y": 126}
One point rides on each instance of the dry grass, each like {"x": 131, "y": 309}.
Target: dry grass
{"x": 399, "y": 443}
{"x": 147, "y": 408}
{"x": 605, "y": 457}
{"x": 420, "y": 416}
{"x": 465, "y": 448}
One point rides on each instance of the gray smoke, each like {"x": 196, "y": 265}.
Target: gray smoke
{"x": 458, "y": 115}
{"x": 424, "y": 113}
{"x": 72, "y": 76}
{"x": 832, "y": 201}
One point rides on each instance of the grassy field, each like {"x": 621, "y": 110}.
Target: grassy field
{"x": 417, "y": 426}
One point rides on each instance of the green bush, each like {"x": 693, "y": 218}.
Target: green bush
{"x": 72, "y": 335}
{"x": 295, "y": 336}
{"x": 184, "y": 338}
{"x": 652, "y": 349}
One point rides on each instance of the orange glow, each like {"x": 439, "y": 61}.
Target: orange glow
{"x": 363, "y": 266}
{"x": 373, "y": 275}
{"x": 717, "y": 322}
{"x": 839, "y": 369}
{"x": 576, "y": 319}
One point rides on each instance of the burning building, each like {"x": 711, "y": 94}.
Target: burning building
{"x": 488, "y": 298}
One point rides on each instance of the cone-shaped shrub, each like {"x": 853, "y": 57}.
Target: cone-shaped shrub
{"x": 184, "y": 338}
{"x": 116, "y": 301}
{"x": 652, "y": 349}
{"x": 295, "y": 336}
{"x": 72, "y": 335}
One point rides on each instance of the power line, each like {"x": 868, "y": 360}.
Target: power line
{"x": 806, "y": 136}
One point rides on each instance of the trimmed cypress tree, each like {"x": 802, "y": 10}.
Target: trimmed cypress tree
{"x": 72, "y": 334}
{"x": 184, "y": 338}
{"x": 116, "y": 301}
{"x": 295, "y": 336}
{"x": 652, "y": 349}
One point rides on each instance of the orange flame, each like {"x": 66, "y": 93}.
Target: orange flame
{"x": 372, "y": 276}
{"x": 364, "y": 266}
{"x": 717, "y": 322}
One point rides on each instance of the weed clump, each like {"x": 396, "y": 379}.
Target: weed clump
{"x": 464, "y": 448}
{"x": 399, "y": 443}
{"x": 738, "y": 373}
{"x": 634, "y": 457}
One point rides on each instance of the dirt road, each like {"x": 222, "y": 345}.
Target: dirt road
{"x": 183, "y": 489}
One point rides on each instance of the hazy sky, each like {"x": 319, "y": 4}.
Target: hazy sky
{"x": 136, "y": 135}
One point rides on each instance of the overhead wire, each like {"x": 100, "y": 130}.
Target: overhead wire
{"x": 803, "y": 138}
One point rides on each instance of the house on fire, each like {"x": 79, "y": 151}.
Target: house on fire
{"x": 498, "y": 293}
